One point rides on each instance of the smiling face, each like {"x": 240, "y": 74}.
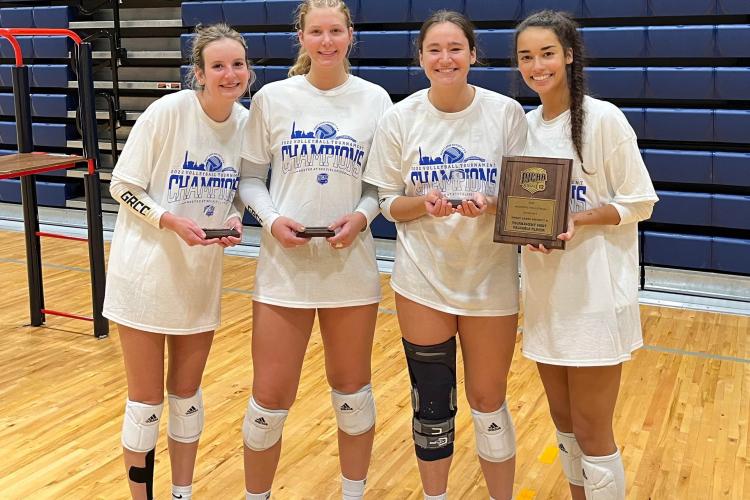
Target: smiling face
{"x": 326, "y": 37}
{"x": 445, "y": 55}
{"x": 225, "y": 74}
{"x": 542, "y": 61}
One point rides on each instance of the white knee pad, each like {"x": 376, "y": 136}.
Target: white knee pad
{"x": 495, "y": 434}
{"x": 140, "y": 427}
{"x": 603, "y": 477}
{"x": 186, "y": 417}
{"x": 262, "y": 428}
{"x": 570, "y": 457}
{"x": 355, "y": 413}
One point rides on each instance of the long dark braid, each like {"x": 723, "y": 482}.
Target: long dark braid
{"x": 566, "y": 30}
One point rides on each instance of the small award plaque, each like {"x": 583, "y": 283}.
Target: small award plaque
{"x": 532, "y": 204}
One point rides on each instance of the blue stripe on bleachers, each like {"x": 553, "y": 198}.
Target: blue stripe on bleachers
{"x": 732, "y": 83}
{"x": 629, "y": 8}
{"x": 50, "y": 75}
{"x": 245, "y": 12}
{"x": 615, "y": 42}
{"x": 422, "y": 9}
{"x": 679, "y": 83}
{"x": 616, "y": 82}
{"x": 51, "y": 194}
{"x": 42, "y": 105}
{"x": 382, "y": 11}
{"x": 731, "y": 169}
{"x": 281, "y": 45}
{"x": 679, "y": 124}
{"x": 17, "y": 17}
{"x": 574, "y": 7}
{"x": 280, "y": 11}
{"x": 52, "y": 47}
{"x": 27, "y": 47}
{"x": 256, "y": 45}
{"x": 483, "y": 10}
{"x": 194, "y": 13}
{"x": 495, "y": 44}
{"x": 43, "y": 134}
{"x": 57, "y": 16}
{"x": 730, "y": 211}
{"x": 680, "y": 41}
{"x": 659, "y": 249}
{"x": 681, "y": 7}
{"x": 733, "y": 40}
{"x": 383, "y": 45}
{"x": 693, "y": 167}
{"x": 730, "y": 255}
{"x": 732, "y": 126}
{"x": 690, "y": 209}
{"x": 394, "y": 80}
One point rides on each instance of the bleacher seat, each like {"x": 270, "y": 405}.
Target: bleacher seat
{"x": 57, "y": 16}
{"x": 499, "y": 80}
{"x": 50, "y": 75}
{"x": 616, "y": 83}
{"x": 25, "y": 42}
{"x": 275, "y": 73}
{"x": 52, "y": 47}
{"x": 51, "y": 194}
{"x": 260, "y": 78}
{"x": 629, "y": 8}
{"x": 680, "y": 41}
{"x": 6, "y": 75}
{"x": 730, "y": 255}
{"x": 482, "y": 10}
{"x": 495, "y": 44}
{"x": 682, "y": 8}
{"x": 383, "y": 11}
{"x": 422, "y": 9}
{"x": 383, "y": 45}
{"x": 731, "y": 169}
{"x": 393, "y": 79}
{"x": 675, "y": 124}
{"x": 8, "y": 132}
{"x": 52, "y": 105}
{"x": 574, "y": 7}
{"x": 637, "y": 119}
{"x": 690, "y": 167}
{"x": 245, "y": 12}
{"x": 730, "y": 211}
{"x": 256, "y": 45}
{"x": 732, "y": 7}
{"x": 281, "y": 45}
{"x": 194, "y": 13}
{"x": 732, "y": 83}
{"x": 732, "y": 125}
{"x": 17, "y": 17}
{"x": 383, "y": 228}
{"x": 680, "y": 83}
{"x": 615, "y": 42}
{"x": 689, "y": 209}
{"x": 661, "y": 249}
{"x": 53, "y": 135}
{"x": 733, "y": 40}
{"x": 281, "y": 11}
{"x": 417, "y": 79}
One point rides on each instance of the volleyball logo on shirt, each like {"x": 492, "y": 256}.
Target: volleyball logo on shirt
{"x": 454, "y": 172}
{"x": 322, "y": 147}
{"x": 206, "y": 182}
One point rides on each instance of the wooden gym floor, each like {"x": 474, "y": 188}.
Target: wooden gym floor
{"x": 681, "y": 420}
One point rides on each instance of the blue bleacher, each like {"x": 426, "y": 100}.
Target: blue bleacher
{"x": 690, "y": 209}
{"x": 675, "y": 124}
{"x": 676, "y": 250}
{"x": 382, "y": 11}
{"x": 730, "y": 211}
{"x": 730, "y": 255}
{"x": 731, "y": 169}
{"x": 50, "y": 75}
{"x": 281, "y": 45}
{"x": 383, "y": 45}
{"x": 42, "y": 105}
{"x": 574, "y": 7}
{"x": 495, "y": 44}
{"x": 693, "y": 167}
{"x": 52, "y": 47}
{"x": 615, "y": 42}
{"x": 637, "y": 119}
{"x": 417, "y": 79}
{"x": 51, "y": 194}
{"x": 679, "y": 83}
{"x": 7, "y": 105}
{"x": 629, "y": 8}
{"x": 613, "y": 83}
{"x": 394, "y": 80}
{"x": 422, "y": 9}
{"x": 732, "y": 126}
{"x": 499, "y": 80}
{"x": 681, "y": 7}
{"x": 58, "y": 16}
{"x": 244, "y": 12}
{"x": 6, "y": 75}
{"x": 483, "y": 10}
{"x": 25, "y": 42}
{"x": 732, "y": 83}
{"x": 732, "y": 7}
{"x": 194, "y": 13}
{"x": 53, "y": 135}
{"x": 275, "y": 73}
{"x": 382, "y": 228}
{"x": 680, "y": 41}
{"x": 17, "y": 17}
{"x": 280, "y": 11}
{"x": 256, "y": 45}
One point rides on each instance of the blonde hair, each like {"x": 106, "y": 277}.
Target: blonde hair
{"x": 205, "y": 35}
{"x": 302, "y": 64}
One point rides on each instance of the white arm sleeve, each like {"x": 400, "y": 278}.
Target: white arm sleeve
{"x": 254, "y": 193}
{"x": 385, "y": 198}
{"x": 368, "y": 204}
{"x": 135, "y": 199}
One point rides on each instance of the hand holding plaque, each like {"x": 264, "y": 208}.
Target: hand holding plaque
{"x": 532, "y": 204}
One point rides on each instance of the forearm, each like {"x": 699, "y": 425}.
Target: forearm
{"x": 407, "y": 208}
{"x": 137, "y": 201}
{"x": 601, "y": 216}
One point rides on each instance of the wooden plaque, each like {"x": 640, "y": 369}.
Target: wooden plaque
{"x": 533, "y": 199}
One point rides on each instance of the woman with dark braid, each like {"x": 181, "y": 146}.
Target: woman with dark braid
{"x": 581, "y": 317}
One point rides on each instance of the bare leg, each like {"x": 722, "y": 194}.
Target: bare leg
{"x": 187, "y": 360}
{"x": 423, "y": 325}
{"x": 487, "y": 345}
{"x": 347, "y": 339}
{"x": 143, "y": 355}
{"x": 280, "y": 337}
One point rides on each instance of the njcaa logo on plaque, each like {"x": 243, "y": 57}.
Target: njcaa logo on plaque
{"x": 534, "y": 179}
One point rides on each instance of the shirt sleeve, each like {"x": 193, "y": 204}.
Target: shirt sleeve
{"x": 517, "y": 128}
{"x": 140, "y": 154}
{"x": 383, "y": 167}
{"x": 256, "y": 140}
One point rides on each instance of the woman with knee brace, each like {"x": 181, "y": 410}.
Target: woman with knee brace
{"x": 164, "y": 275}
{"x": 317, "y": 253}
{"x": 435, "y": 160}
{"x": 581, "y": 317}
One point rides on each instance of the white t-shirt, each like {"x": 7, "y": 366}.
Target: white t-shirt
{"x": 450, "y": 263}
{"x": 189, "y": 165}
{"x": 317, "y": 143}
{"x": 581, "y": 303}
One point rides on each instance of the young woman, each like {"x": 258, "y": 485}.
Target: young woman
{"x": 177, "y": 175}
{"x": 581, "y": 318}
{"x": 315, "y": 130}
{"x": 435, "y": 159}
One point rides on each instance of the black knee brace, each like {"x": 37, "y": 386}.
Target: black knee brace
{"x": 144, "y": 475}
{"x": 432, "y": 370}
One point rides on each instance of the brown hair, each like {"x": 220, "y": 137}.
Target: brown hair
{"x": 302, "y": 64}
{"x": 566, "y": 30}
{"x": 447, "y": 16}
{"x": 205, "y": 35}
